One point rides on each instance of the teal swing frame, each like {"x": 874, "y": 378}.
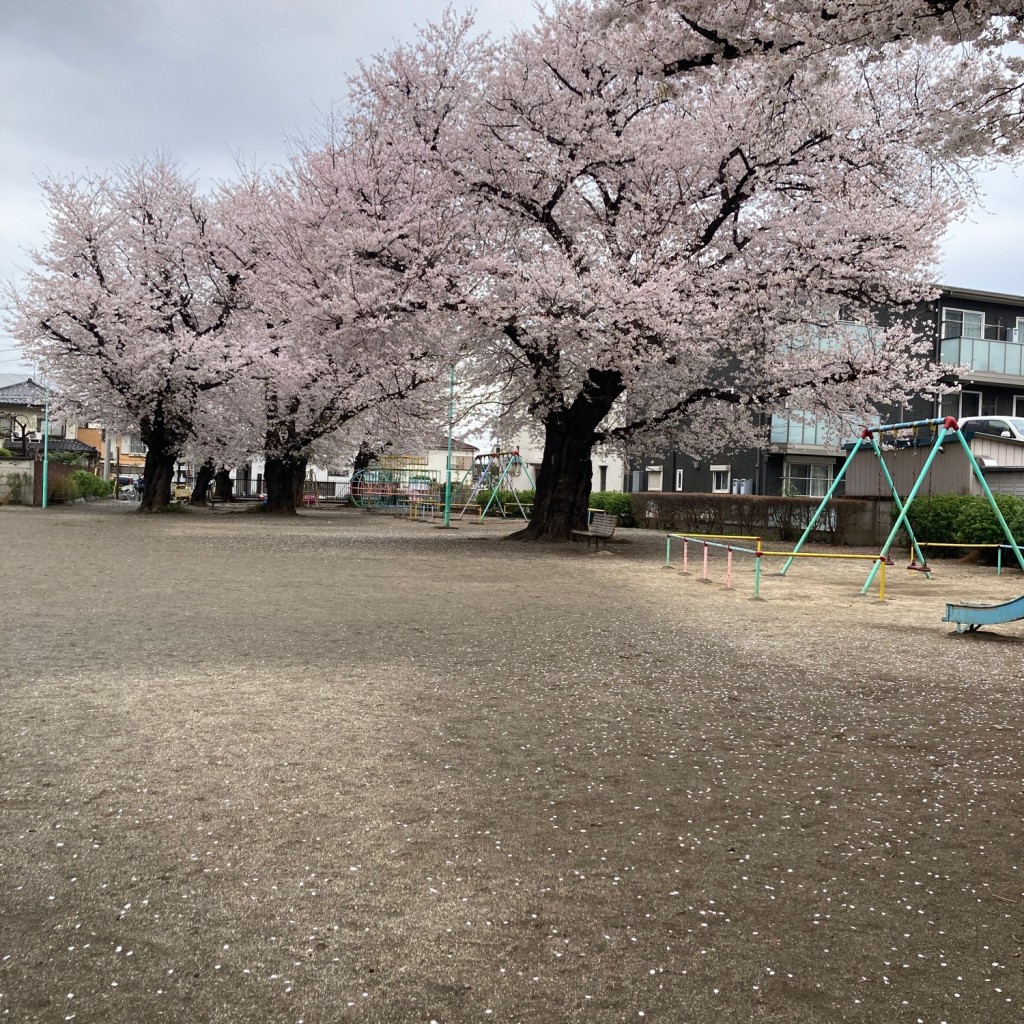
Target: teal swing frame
{"x": 948, "y": 429}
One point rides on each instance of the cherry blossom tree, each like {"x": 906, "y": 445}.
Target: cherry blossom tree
{"x": 350, "y": 254}
{"x": 663, "y": 207}
{"x": 129, "y": 308}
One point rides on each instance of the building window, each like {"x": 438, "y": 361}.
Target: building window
{"x": 806, "y": 479}
{"x": 962, "y": 323}
{"x": 602, "y": 478}
{"x": 654, "y": 478}
{"x": 133, "y": 445}
{"x": 720, "y": 479}
{"x": 1018, "y": 406}
{"x": 679, "y": 479}
{"x": 966, "y": 403}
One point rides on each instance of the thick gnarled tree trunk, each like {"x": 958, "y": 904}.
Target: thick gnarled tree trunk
{"x": 284, "y": 477}
{"x": 563, "y": 483}
{"x": 202, "y": 484}
{"x": 223, "y": 485}
{"x": 161, "y": 454}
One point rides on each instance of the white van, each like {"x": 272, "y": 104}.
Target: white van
{"x": 997, "y": 426}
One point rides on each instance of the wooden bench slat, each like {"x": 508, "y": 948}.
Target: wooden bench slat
{"x": 602, "y": 527}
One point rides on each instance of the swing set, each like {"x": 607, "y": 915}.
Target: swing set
{"x": 489, "y": 472}
{"x": 948, "y": 430}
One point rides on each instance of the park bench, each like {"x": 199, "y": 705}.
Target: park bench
{"x": 602, "y": 528}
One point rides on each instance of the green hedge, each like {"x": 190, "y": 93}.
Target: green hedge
{"x": 88, "y": 485}
{"x": 965, "y": 519}
{"x": 615, "y": 503}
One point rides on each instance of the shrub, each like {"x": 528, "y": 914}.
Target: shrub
{"x": 616, "y": 503}
{"x": 934, "y": 518}
{"x": 5, "y": 453}
{"x": 91, "y": 486}
{"x": 62, "y": 488}
{"x": 964, "y": 519}
{"x": 977, "y": 522}
{"x": 19, "y": 489}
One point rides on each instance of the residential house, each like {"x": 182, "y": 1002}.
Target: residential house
{"x": 23, "y": 421}
{"x": 980, "y": 331}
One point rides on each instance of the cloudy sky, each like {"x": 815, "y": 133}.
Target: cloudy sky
{"x": 85, "y": 84}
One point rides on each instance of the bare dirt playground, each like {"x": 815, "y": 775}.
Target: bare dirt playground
{"x": 344, "y": 767}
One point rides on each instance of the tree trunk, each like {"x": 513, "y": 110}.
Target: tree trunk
{"x": 157, "y": 477}
{"x": 162, "y": 448}
{"x": 364, "y": 457}
{"x": 203, "y": 478}
{"x": 563, "y": 483}
{"x": 284, "y": 479}
{"x": 224, "y": 487}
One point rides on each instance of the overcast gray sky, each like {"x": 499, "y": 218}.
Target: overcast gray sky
{"x": 85, "y": 84}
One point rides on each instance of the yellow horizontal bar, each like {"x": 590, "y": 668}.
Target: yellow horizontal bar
{"x": 819, "y": 554}
{"x": 946, "y": 544}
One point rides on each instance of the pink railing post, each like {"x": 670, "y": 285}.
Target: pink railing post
{"x": 728, "y": 566}
{"x": 704, "y": 575}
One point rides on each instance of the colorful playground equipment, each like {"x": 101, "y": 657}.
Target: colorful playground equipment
{"x": 397, "y": 483}
{"x": 489, "y": 472}
{"x": 948, "y": 430}
{"x": 966, "y": 616}
{"x": 758, "y": 552}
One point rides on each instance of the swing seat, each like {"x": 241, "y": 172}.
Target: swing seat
{"x": 914, "y": 567}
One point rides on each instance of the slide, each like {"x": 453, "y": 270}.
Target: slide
{"x": 971, "y": 616}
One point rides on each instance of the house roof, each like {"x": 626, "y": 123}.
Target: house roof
{"x": 56, "y": 444}
{"x": 22, "y": 391}
{"x": 457, "y": 445}
{"x": 981, "y": 296}
{"x": 7, "y": 379}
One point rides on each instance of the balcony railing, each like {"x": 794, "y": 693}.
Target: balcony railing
{"x": 984, "y": 355}
{"x": 797, "y": 432}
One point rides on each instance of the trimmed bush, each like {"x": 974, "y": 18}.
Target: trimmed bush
{"x": 977, "y": 522}
{"x": 615, "y": 503}
{"x": 89, "y": 485}
{"x": 964, "y": 519}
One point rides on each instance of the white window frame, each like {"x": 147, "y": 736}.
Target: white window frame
{"x": 959, "y": 396}
{"x": 131, "y": 448}
{"x": 679, "y": 479}
{"x": 812, "y": 491}
{"x": 716, "y": 483}
{"x": 964, "y": 314}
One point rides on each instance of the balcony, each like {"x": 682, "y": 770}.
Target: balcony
{"x": 997, "y": 356}
{"x": 797, "y": 433}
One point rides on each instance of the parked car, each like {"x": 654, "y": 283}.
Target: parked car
{"x": 997, "y": 426}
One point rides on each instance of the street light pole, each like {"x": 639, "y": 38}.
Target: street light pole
{"x": 46, "y": 444}
{"x": 448, "y": 464}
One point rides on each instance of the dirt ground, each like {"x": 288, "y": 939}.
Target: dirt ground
{"x": 349, "y": 768}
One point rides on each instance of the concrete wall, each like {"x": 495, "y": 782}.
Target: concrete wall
{"x": 10, "y": 469}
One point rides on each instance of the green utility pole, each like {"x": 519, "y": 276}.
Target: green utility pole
{"x": 448, "y": 464}
{"x": 46, "y": 445}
